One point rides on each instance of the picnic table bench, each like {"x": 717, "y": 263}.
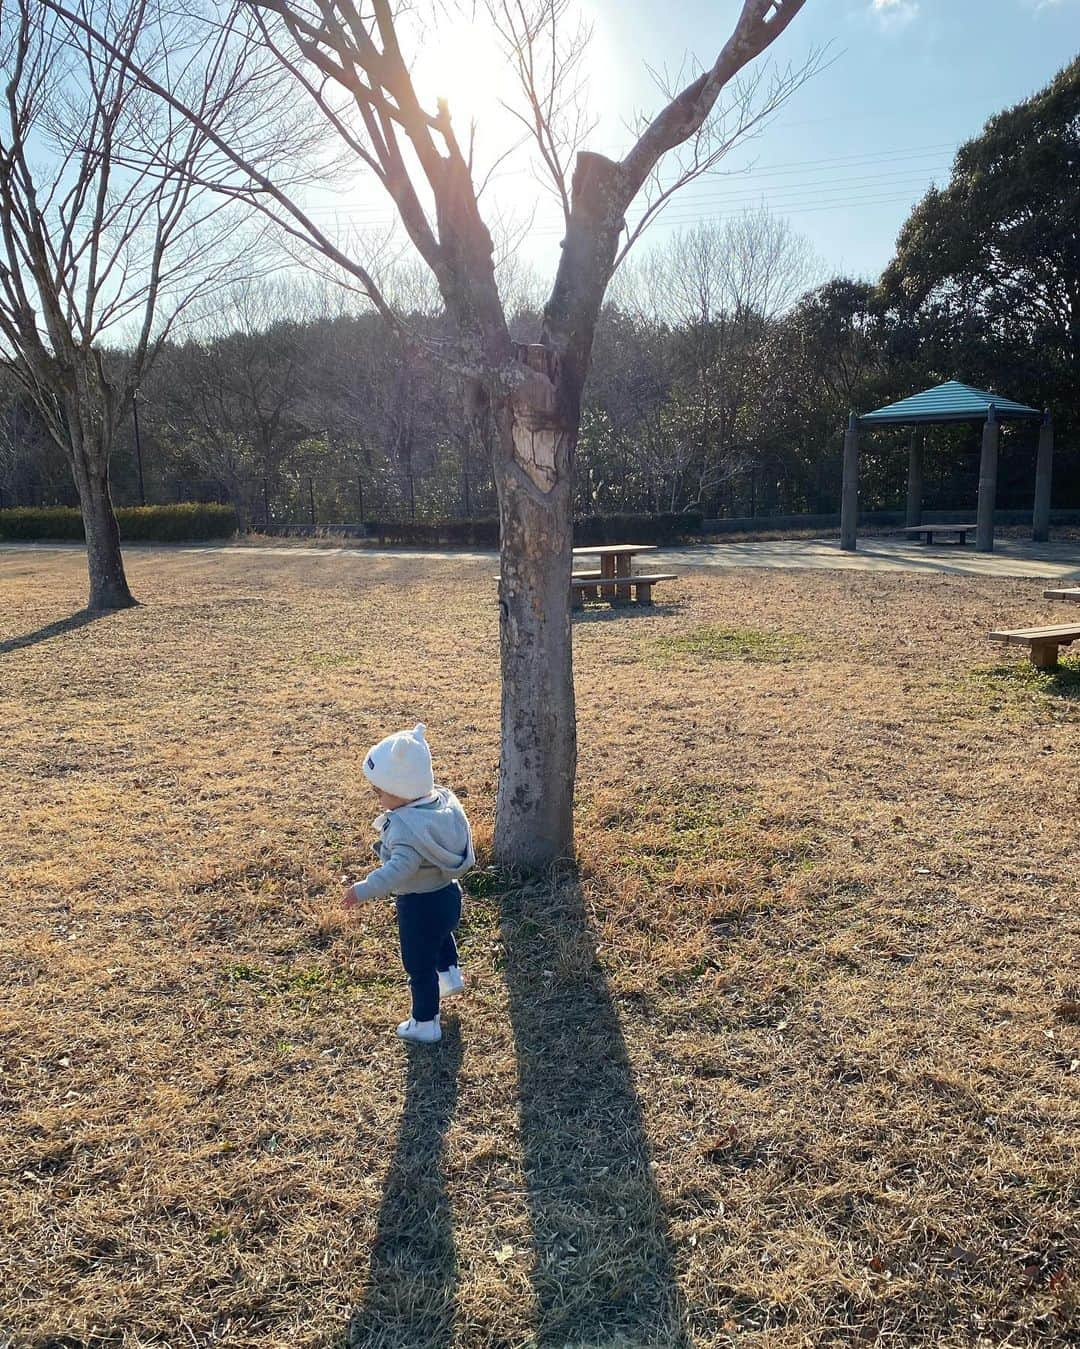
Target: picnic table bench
{"x": 1064, "y": 593}
{"x": 615, "y": 580}
{"x": 1043, "y": 643}
{"x": 586, "y": 585}
{"x": 928, "y": 532}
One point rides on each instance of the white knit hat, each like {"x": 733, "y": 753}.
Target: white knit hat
{"x": 401, "y": 764}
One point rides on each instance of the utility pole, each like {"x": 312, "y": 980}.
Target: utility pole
{"x": 138, "y": 445}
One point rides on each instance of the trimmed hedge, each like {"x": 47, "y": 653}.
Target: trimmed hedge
{"x": 54, "y": 522}
{"x": 186, "y": 522}
{"x": 593, "y": 529}
{"x": 666, "y": 528}
{"x": 471, "y": 533}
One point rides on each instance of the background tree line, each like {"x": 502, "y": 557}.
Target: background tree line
{"x": 723, "y": 370}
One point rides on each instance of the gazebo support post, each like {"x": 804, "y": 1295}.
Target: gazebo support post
{"x": 1044, "y": 467}
{"x": 914, "y": 480}
{"x": 849, "y": 498}
{"x": 984, "y": 528}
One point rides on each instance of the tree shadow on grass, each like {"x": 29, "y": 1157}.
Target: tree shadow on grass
{"x": 624, "y": 612}
{"x": 57, "y": 629}
{"x": 413, "y": 1271}
{"x": 603, "y": 1272}
{"x": 1023, "y": 677}
{"x": 1064, "y": 682}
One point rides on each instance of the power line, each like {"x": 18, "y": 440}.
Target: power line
{"x": 713, "y": 181}
{"x": 852, "y": 192}
{"x": 786, "y": 203}
{"x": 740, "y": 192}
{"x": 802, "y": 177}
{"x": 809, "y": 210}
{"x": 805, "y": 202}
{"x": 822, "y": 185}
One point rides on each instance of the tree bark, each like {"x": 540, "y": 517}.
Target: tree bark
{"x": 534, "y": 821}
{"x": 537, "y": 429}
{"x": 105, "y": 562}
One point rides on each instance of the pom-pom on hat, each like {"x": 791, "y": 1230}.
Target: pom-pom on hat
{"x": 401, "y": 764}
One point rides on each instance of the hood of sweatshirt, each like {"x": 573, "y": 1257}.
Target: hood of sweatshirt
{"x": 438, "y": 829}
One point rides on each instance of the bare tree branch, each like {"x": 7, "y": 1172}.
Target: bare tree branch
{"x": 760, "y": 23}
{"x": 95, "y": 243}
{"x": 255, "y": 187}
{"x": 745, "y": 114}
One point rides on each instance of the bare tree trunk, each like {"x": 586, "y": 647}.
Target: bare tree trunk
{"x": 105, "y": 562}
{"x": 534, "y": 809}
{"x": 538, "y": 428}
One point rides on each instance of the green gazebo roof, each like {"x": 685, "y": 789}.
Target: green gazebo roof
{"x": 949, "y": 402}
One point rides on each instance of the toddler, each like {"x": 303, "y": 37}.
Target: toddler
{"x": 425, "y": 844}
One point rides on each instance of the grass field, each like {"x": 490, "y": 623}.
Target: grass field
{"x": 792, "y": 1059}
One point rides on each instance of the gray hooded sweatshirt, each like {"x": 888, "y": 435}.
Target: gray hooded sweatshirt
{"x": 422, "y": 847}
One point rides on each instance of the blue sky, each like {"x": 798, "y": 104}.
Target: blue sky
{"x": 845, "y": 159}
{"x": 910, "y": 80}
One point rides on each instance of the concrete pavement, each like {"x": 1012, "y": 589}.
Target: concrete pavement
{"x": 1011, "y": 557}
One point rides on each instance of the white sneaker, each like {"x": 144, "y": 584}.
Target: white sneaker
{"x": 422, "y": 1032}
{"x": 450, "y": 982}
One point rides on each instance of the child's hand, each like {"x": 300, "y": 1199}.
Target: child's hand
{"x": 349, "y": 900}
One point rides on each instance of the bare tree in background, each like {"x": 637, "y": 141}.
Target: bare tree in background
{"x": 237, "y": 396}
{"x": 106, "y": 236}
{"x": 723, "y": 286}
{"x": 350, "y": 57}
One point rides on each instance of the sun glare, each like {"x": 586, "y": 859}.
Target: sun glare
{"x": 463, "y": 63}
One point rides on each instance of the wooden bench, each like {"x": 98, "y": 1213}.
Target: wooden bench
{"x": 928, "y": 532}
{"x": 1043, "y": 643}
{"x": 1068, "y": 593}
{"x": 587, "y": 585}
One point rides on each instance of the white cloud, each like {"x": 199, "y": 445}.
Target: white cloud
{"x": 895, "y": 13}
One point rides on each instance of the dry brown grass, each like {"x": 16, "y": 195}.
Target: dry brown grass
{"x": 793, "y": 1060}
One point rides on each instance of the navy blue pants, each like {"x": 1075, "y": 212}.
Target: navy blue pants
{"x": 426, "y": 928}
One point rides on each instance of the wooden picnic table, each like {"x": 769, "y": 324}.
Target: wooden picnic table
{"x": 616, "y": 565}
{"x": 1042, "y": 643}
{"x": 615, "y": 558}
{"x": 616, "y": 580}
